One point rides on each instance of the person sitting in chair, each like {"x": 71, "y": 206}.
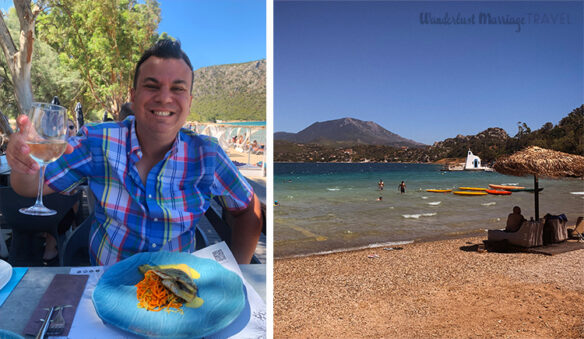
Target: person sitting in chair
{"x": 514, "y": 220}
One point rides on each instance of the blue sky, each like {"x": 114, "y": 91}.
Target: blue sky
{"x": 216, "y": 32}
{"x": 213, "y": 32}
{"x": 376, "y": 61}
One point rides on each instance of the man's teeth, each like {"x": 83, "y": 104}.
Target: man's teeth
{"x": 161, "y": 113}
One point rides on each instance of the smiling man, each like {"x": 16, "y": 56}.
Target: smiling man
{"x": 152, "y": 179}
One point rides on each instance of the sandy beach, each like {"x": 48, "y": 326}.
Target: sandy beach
{"x": 441, "y": 289}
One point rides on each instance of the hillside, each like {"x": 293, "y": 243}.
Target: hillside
{"x": 230, "y": 92}
{"x": 346, "y": 131}
{"x": 567, "y": 136}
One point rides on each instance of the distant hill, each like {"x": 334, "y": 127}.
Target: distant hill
{"x": 346, "y": 131}
{"x": 488, "y": 144}
{"x": 230, "y": 92}
{"x": 567, "y": 136}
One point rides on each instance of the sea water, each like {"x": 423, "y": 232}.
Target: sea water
{"x": 327, "y": 207}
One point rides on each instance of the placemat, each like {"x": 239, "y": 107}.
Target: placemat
{"x": 65, "y": 289}
{"x": 17, "y": 274}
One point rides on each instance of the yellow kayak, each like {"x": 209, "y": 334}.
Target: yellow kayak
{"x": 473, "y": 188}
{"x": 438, "y": 191}
{"x": 469, "y": 193}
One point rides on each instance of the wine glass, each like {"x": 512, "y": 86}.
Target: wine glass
{"x": 46, "y": 137}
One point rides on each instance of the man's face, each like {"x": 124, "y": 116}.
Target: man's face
{"x": 71, "y": 129}
{"x": 162, "y": 97}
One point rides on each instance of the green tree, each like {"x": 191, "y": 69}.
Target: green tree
{"x": 102, "y": 40}
{"x": 48, "y": 76}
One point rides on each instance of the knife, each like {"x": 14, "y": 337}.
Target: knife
{"x": 45, "y": 325}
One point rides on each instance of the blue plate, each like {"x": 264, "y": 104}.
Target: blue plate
{"x": 5, "y": 334}
{"x": 115, "y": 301}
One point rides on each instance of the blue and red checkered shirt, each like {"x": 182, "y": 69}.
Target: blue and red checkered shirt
{"x": 131, "y": 217}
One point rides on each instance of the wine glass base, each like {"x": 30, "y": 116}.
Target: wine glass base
{"x": 38, "y": 211}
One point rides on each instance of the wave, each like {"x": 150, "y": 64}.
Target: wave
{"x": 349, "y": 249}
{"x": 577, "y": 193}
{"x": 417, "y": 216}
{"x": 489, "y": 203}
{"x": 333, "y": 189}
{"x": 424, "y": 197}
{"x": 434, "y": 203}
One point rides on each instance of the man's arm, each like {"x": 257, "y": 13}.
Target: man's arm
{"x": 246, "y": 231}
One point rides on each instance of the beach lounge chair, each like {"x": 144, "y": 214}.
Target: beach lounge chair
{"x": 578, "y": 231}
{"x": 530, "y": 234}
{"x": 554, "y": 229}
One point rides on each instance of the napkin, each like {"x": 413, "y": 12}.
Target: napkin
{"x": 65, "y": 289}
{"x": 17, "y": 274}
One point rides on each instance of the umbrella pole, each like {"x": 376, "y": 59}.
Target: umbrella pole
{"x": 536, "y": 197}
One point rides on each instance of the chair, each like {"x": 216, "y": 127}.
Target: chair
{"x": 23, "y": 226}
{"x": 222, "y": 221}
{"x": 201, "y": 240}
{"x": 77, "y": 241}
{"x": 578, "y": 231}
{"x": 530, "y": 234}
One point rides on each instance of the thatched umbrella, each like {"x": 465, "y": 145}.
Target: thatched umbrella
{"x": 541, "y": 162}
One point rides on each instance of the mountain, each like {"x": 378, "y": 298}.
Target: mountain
{"x": 230, "y": 92}
{"x": 346, "y": 131}
{"x": 490, "y": 144}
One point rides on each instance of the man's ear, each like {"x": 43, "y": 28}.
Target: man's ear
{"x": 132, "y": 92}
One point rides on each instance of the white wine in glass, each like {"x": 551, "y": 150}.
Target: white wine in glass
{"x": 47, "y": 139}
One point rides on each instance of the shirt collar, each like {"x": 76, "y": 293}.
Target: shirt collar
{"x": 135, "y": 144}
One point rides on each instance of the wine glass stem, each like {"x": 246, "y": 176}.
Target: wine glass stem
{"x": 39, "y": 199}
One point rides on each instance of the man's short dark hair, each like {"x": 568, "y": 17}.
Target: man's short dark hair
{"x": 165, "y": 49}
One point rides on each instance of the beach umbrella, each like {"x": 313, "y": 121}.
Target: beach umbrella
{"x": 79, "y": 115}
{"x": 540, "y": 162}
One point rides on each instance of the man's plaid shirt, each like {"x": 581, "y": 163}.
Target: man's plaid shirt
{"x": 131, "y": 217}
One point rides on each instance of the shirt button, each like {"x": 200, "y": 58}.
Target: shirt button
{"x": 155, "y": 219}
{"x": 153, "y": 245}
{"x": 150, "y": 196}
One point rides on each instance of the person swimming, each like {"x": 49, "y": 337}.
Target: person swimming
{"x": 402, "y": 187}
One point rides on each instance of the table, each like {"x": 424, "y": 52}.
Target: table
{"x": 17, "y": 309}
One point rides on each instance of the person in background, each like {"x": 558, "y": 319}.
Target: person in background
{"x": 71, "y": 128}
{"x": 380, "y": 184}
{"x": 514, "y": 220}
{"x": 402, "y": 187}
{"x": 126, "y": 111}
{"x": 133, "y": 166}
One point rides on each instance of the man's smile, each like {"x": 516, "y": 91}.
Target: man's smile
{"x": 162, "y": 113}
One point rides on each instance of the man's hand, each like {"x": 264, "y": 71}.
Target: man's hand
{"x": 24, "y": 169}
{"x": 18, "y": 152}
{"x": 246, "y": 231}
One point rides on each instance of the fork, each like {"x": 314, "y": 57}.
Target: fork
{"x": 58, "y": 322}
{"x": 45, "y": 325}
